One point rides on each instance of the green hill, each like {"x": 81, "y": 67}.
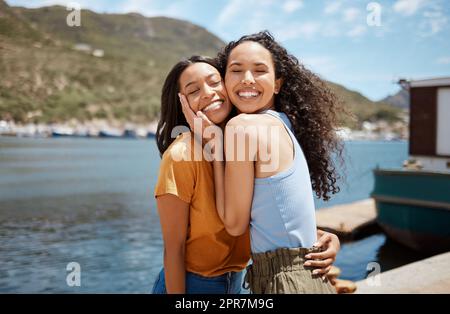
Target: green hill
{"x": 363, "y": 108}
{"x": 399, "y": 100}
{"x": 43, "y": 77}
{"x": 49, "y": 73}
{"x": 14, "y": 26}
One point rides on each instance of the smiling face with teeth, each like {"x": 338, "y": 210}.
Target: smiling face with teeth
{"x": 202, "y": 85}
{"x": 250, "y": 78}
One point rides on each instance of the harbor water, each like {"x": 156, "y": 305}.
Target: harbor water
{"x": 90, "y": 201}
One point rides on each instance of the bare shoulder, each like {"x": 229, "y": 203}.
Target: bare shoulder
{"x": 251, "y": 119}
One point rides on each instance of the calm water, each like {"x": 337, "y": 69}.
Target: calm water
{"x": 90, "y": 201}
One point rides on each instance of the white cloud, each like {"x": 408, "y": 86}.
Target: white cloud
{"x": 251, "y": 16}
{"x": 351, "y": 14}
{"x": 228, "y": 13}
{"x": 297, "y": 30}
{"x": 251, "y": 11}
{"x": 433, "y": 23}
{"x": 443, "y": 60}
{"x": 332, "y": 7}
{"x": 331, "y": 29}
{"x": 309, "y": 29}
{"x": 150, "y": 8}
{"x": 145, "y": 7}
{"x": 290, "y": 6}
{"x": 324, "y": 62}
{"x": 408, "y": 7}
{"x": 357, "y": 31}
{"x": 85, "y": 4}
{"x": 323, "y": 65}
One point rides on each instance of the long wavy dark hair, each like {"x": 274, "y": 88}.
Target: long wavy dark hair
{"x": 311, "y": 107}
{"x": 171, "y": 112}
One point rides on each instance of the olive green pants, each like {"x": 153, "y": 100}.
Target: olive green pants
{"x": 282, "y": 271}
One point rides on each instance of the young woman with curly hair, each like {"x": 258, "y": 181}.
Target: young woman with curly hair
{"x": 273, "y": 91}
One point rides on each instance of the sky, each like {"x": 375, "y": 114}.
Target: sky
{"x": 364, "y": 45}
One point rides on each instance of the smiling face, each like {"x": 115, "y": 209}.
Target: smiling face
{"x": 202, "y": 85}
{"x": 250, "y": 78}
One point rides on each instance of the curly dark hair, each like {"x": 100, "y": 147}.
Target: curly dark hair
{"x": 311, "y": 107}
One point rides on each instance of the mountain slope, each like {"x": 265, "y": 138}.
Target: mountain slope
{"x": 43, "y": 77}
{"x": 363, "y": 108}
{"x": 399, "y": 100}
{"x": 49, "y": 72}
{"x": 12, "y": 25}
{"x": 148, "y": 37}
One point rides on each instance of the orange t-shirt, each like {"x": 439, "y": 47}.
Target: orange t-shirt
{"x": 210, "y": 250}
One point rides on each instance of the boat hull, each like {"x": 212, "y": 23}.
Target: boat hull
{"x": 413, "y": 208}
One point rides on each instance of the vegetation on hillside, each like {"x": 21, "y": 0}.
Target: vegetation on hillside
{"x": 49, "y": 72}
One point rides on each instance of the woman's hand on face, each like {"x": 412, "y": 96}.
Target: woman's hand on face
{"x": 323, "y": 261}
{"x": 187, "y": 111}
{"x": 191, "y": 117}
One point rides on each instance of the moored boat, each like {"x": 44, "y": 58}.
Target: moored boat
{"x": 110, "y": 133}
{"x": 413, "y": 202}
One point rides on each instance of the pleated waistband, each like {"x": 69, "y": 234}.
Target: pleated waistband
{"x": 282, "y": 259}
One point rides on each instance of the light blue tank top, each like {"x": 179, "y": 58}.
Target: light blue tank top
{"x": 283, "y": 211}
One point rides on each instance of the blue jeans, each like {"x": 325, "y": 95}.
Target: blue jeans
{"x": 228, "y": 283}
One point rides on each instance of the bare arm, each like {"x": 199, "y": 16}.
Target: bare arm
{"x": 233, "y": 179}
{"x": 234, "y": 182}
{"x": 174, "y": 217}
{"x": 219, "y": 187}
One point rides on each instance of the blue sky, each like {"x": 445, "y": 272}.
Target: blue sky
{"x": 333, "y": 38}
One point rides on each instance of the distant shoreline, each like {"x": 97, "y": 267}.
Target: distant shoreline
{"x": 103, "y": 129}
{"x": 150, "y": 136}
{"x": 93, "y": 129}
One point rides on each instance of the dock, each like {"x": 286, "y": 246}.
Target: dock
{"x": 348, "y": 221}
{"x": 431, "y": 275}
